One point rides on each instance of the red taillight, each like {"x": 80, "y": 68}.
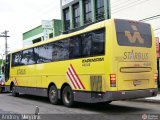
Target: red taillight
{"x": 113, "y": 80}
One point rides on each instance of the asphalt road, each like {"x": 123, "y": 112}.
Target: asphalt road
{"x": 127, "y": 110}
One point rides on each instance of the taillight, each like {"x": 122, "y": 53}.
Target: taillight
{"x": 155, "y": 78}
{"x": 113, "y": 80}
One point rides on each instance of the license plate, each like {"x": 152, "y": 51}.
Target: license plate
{"x": 136, "y": 82}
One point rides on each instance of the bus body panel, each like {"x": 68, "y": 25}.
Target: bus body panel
{"x": 90, "y": 77}
{"x": 134, "y": 66}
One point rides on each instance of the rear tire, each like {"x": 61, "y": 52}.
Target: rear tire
{"x": 68, "y": 97}
{"x": 53, "y": 95}
{"x": 14, "y": 93}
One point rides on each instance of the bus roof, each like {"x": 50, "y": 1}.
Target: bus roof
{"x": 87, "y": 29}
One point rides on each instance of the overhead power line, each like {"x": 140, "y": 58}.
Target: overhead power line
{"x": 150, "y": 18}
{"x": 120, "y": 3}
{"x": 135, "y": 3}
{"x": 124, "y": 3}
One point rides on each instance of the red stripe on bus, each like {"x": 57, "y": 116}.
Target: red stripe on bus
{"x": 74, "y": 78}
{"x": 71, "y": 81}
{"x": 77, "y": 76}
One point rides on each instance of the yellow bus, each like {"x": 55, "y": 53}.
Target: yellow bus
{"x": 108, "y": 61}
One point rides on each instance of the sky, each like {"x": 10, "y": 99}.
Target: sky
{"x": 19, "y": 16}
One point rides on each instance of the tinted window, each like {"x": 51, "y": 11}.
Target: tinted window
{"x": 87, "y": 44}
{"x": 43, "y": 53}
{"x": 98, "y": 42}
{"x": 130, "y": 33}
{"x": 83, "y": 45}
{"x": 7, "y": 67}
{"x": 75, "y": 47}
{"x": 27, "y": 57}
{"x": 93, "y": 43}
{"x": 16, "y": 58}
{"x": 60, "y": 50}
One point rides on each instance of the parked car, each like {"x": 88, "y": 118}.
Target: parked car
{"x": 2, "y": 83}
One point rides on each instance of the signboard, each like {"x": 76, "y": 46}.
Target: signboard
{"x": 46, "y": 34}
{"x": 47, "y": 24}
{"x": 64, "y": 2}
{"x": 157, "y": 47}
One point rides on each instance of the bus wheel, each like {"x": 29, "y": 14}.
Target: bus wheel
{"x": 53, "y": 95}
{"x": 14, "y": 93}
{"x": 67, "y": 96}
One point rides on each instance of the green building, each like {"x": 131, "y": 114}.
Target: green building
{"x": 77, "y": 14}
{"x": 37, "y": 34}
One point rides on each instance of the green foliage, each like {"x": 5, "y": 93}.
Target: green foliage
{"x": 0, "y": 61}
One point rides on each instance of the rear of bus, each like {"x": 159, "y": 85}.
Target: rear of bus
{"x": 133, "y": 72}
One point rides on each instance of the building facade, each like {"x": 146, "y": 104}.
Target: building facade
{"x": 37, "y": 34}
{"x": 77, "y": 14}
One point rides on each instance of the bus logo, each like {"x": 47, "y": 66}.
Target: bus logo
{"x": 135, "y": 37}
{"x": 74, "y": 78}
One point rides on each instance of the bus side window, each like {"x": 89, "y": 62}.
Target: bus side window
{"x": 27, "y": 58}
{"x": 98, "y": 42}
{"x": 43, "y": 53}
{"x": 60, "y": 50}
{"x": 75, "y": 47}
{"x": 86, "y": 44}
{"x": 16, "y": 59}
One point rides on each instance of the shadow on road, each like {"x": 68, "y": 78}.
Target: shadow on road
{"x": 113, "y": 108}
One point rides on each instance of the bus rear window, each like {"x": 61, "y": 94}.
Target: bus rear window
{"x": 130, "y": 33}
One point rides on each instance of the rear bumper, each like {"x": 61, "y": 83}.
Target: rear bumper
{"x": 123, "y": 95}
{"x": 95, "y": 97}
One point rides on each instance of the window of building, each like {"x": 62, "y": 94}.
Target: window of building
{"x": 51, "y": 35}
{"x": 99, "y": 10}
{"x": 36, "y": 40}
{"x": 87, "y": 12}
{"x": 66, "y": 19}
{"x": 76, "y": 15}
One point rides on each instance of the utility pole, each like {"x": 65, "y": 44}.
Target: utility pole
{"x": 4, "y": 34}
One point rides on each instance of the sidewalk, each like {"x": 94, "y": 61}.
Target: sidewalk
{"x": 150, "y": 99}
